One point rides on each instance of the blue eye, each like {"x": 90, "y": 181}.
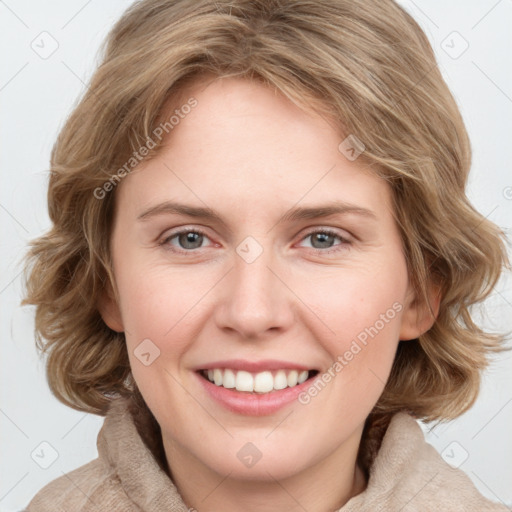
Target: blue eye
{"x": 324, "y": 239}
{"x": 191, "y": 239}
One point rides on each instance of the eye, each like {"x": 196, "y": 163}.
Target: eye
{"x": 187, "y": 239}
{"x": 322, "y": 241}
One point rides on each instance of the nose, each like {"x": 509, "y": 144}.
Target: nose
{"x": 255, "y": 299}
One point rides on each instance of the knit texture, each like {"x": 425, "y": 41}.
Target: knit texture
{"x": 406, "y": 473}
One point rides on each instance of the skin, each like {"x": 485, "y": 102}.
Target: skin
{"x": 251, "y": 155}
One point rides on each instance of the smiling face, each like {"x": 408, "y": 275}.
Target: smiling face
{"x": 261, "y": 293}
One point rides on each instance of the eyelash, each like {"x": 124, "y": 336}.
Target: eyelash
{"x": 326, "y": 231}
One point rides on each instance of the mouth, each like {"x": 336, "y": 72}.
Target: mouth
{"x": 261, "y": 383}
{"x": 254, "y": 388}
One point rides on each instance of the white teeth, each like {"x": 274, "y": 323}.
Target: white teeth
{"x": 217, "y": 377}
{"x": 262, "y": 382}
{"x": 280, "y": 380}
{"x": 244, "y": 381}
{"x": 302, "y": 376}
{"x": 292, "y": 378}
{"x": 229, "y": 380}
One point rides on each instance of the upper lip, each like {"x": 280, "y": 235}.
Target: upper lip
{"x": 254, "y": 366}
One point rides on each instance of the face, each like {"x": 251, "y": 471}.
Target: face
{"x": 264, "y": 294}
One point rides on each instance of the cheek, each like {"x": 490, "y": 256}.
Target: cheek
{"x": 159, "y": 310}
{"x": 161, "y": 304}
{"x": 360, "y": 312}
{"x": 350, "y": 301}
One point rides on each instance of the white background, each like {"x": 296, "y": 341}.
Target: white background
{"x": 37, "y": 94}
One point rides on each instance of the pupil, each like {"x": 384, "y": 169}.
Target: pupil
{"x": 322, "y": 237}
{"x": 190, "y": 238}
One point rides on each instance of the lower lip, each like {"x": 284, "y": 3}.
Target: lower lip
{"x": 253, "y": 404}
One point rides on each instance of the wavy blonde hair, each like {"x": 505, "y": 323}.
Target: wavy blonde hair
{"x": 366, "y": 64}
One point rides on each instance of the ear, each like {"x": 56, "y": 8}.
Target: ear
{"x": 418, "y": 317}
{"x": 109, "y": 311}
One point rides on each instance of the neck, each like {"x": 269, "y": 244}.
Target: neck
{"x": 327, "y": 485}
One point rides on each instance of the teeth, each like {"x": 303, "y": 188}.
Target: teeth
{"x": 217, "y": 377}
{"x": 229, "y": 379}
{"x": 244, "y": 381}
{"x": 263, "y": 382}
{"x": 292, "y": 378}
{"x": 280, "y": 380}
{"x": 303, "y": 376}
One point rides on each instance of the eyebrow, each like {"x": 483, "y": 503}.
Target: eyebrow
{"x": 294, "y": 214}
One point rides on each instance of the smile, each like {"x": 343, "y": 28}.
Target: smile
{"x": 261, "y": 382}
{"x": 254, "y": 388}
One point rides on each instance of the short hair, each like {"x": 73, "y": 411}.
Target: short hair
{"x": 366, "y": 65}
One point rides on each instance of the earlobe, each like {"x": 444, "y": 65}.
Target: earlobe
{"x": 109, "y": 311}
{"x": 419, "y": 317}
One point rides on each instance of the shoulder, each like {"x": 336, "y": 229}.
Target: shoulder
{"x": 89, "y": 488}
{"x": 409, "y": 474}
{"x": 125, "y": 476}
{"x": 429, "y": 478}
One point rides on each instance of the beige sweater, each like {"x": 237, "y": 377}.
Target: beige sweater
{"x": 406, "y": 475}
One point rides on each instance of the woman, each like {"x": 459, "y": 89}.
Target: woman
{"x": 262, "y": 263}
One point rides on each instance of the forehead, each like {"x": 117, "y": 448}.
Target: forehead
{"x": 245, "y": 145}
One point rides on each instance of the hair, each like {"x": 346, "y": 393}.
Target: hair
{"x": 365, "y": 64}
